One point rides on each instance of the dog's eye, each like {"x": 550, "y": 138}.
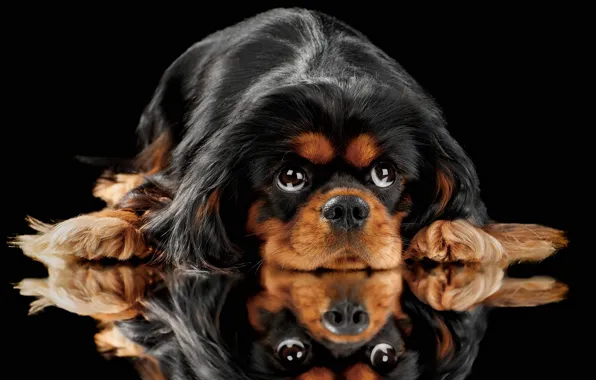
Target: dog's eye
{"x": 291, "y": 179}
{"x": 383, "y": 174}
{"x": 383, "y": 357}
{"x": 291, "y": 353}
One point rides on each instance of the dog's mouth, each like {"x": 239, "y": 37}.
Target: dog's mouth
{"x": 346, "y": 259}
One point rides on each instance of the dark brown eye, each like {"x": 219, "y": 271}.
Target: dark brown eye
{"x": 383, "y": 174}
{"x": 291, "y": 353}
{"x": 383, "y": 357}
{"x": 291, "y": 179}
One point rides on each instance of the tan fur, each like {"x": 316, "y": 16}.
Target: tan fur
{"x": 155, "y": 157}
{"x": 111, "y": 188}
{"x": 317, "y": 373}
{"x": 110, "y": 342}
{"x": 103, "y": 234}
{"x": 450, "y": 287}
{"x": 529, "y": 292}
{"x": 315, "y": 147}
{"x": 361, "y": 371}
{"x": 308, "y": 242}
{"x": 362, "y": 151}
{"x": 309, "y": 296}
{"x": 91, "y": 289}
{"x": 453, "y": 287}
{"x": 445, "y": 187}
{"x": 502, "y": 244}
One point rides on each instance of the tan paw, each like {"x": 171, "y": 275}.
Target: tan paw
{"x": 104, "y": 234}
{"x": 91, "y": 289}
{"x": 450, "y": 241}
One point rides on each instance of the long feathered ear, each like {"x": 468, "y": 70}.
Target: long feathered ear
{"x": 449, "y": 187}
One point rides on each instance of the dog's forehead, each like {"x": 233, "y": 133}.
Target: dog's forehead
{"x": 359, "y": 150}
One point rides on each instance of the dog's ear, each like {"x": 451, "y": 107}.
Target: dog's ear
{"x": 449, "y": 186}
{"x": 162, "y": 122}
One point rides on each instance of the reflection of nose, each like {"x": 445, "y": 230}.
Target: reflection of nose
{"x": 346, "y": 318}
{"x": 346, "y": 211}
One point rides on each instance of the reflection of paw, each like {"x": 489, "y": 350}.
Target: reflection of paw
{"x": 105, "y": 234}
{"x": 91, "y": 289}
{"x": 454, "y": 287}
{"x": 462, "y": 287}
{"x": 531, "y": 291}
{"x": 450, "y": 241}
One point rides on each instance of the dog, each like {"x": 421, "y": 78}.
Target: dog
{"x": 288, "y": 140}
{"x": 292, "y": 138}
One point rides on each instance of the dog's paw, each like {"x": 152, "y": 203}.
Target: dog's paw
{"x": 104, "y": 234}
{"x": 451, "y": 241}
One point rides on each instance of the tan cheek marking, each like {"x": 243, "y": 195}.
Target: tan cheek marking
{"x": 315, "y": 147}
{"x": 362, "y": 151}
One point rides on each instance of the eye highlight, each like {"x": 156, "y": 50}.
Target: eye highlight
{"x": 292, "y": 179}
{"x": 291, "y": 353}
{"x": 383, "y": 174}
{"x": 383, "y": 357}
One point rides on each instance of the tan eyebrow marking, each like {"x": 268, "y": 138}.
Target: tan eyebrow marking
{"x": 362, "y": 151}
{"x": 315, "y": 147}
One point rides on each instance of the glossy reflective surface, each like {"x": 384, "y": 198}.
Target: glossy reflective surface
{"x": 423, "y": 319}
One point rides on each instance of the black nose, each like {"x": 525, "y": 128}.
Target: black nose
{"x": 346, "y": 211}
{"x": 346, "y": 318}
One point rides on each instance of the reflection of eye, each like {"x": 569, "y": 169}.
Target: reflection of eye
{"x": 291, "y": 179}
{"x": 291, "y": 352}
{"x": 383, "y": 357}
{"x": 383, "y": 174}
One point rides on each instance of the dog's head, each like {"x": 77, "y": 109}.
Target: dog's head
{"x": 293, "y": 128}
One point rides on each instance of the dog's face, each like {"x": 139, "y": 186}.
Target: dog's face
{"x": 320, "y": 325}
{"x": 333, "y": 202}
{"x": 314, "y": 142}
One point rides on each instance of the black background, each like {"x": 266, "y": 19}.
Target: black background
{"x": 509, "y": 81}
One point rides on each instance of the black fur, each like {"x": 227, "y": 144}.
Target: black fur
{"x": 232, "y": 101}
{"x": 197, "y": 327}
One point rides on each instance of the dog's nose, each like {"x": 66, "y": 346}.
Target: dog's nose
{"x": 346, "y": 211}
{"x": 346, "y": 318}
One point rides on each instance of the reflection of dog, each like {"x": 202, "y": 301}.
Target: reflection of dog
{"x": 327, "y": 325}
{"x": 360, "y": 324}
{"x": 334, "y": 319}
